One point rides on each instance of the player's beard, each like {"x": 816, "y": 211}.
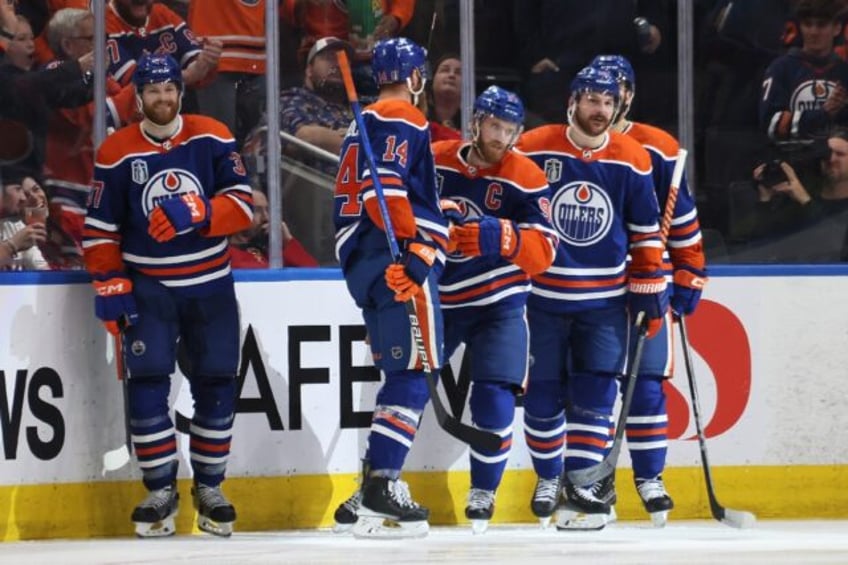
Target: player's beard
{"x": 161, "y": 113}
{"x": 491, "y": 152}
{"x": 594, "y": 125}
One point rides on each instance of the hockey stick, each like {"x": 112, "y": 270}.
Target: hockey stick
{"x": 728, "y": 516}
{"x": 476, "y": 438}
{"x": 117, "y": 458}
{"x": 589, "y": 475}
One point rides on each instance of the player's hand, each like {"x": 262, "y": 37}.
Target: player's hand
{"x": 405, "y": 278}
{"x": 175, "y": 216}
{"x": 486, "y": 237}
{"x": 689, "y": 282}
{"x": 114, "y": 303}
{"x": 647, "y": 293}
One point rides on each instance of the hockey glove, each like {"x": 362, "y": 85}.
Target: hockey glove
{"x": 689, "y": 282}
{"x": 114, "y": 303}
{"x": 175, "y": 216}
{"x": 452, "y": 211}
{"x": 647, "y": 293}
{"x": 405, "y": 278}
{"x": 488, "y": 236}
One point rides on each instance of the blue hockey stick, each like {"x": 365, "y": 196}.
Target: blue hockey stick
{"x": 476, "y": 438}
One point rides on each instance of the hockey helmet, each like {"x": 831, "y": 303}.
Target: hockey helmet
{"x": 154, "y": 68}
{"x": 618, "y": 66}
{"x": 500, "y": 103}
{"x": 394, "y": 60}
{"x": 591, "y": 79}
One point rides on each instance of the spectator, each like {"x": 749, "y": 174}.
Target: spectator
{"x": 69, "y": 166}
{"x": 61, "y": 250}
{"x": 804, "y": 91}
{"x": 142, "y": 26}
{"x": 19, "y": 238}
{"x": 444, "y": 99}
{"x": 8, "y": 25}
{"x": 557, "y": 39}
{"x": 317, "y": 112}
{"x": 237, "y": 93}
{"x": 249, "y": 248}
{"x": 39, "y": 16}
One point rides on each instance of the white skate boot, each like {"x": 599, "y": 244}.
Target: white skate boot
{"x": 655, "y": 499}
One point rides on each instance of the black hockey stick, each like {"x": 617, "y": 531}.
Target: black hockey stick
{"x": 476, "y": 438}
{"x": 593, "y": 474}
{"x": 733, "y": 518}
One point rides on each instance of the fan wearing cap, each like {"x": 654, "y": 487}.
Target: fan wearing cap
{"x": 603, "y": 207}
{"x": 317, "y": 112}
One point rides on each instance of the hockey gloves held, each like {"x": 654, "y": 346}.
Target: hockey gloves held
{"x": 405, "y": 278}
{"x": 689, "y": 282}
{"x": 486, "y": 237}
{"x": 178, "y": 215}
{"x": 647, "y": 293}
{"x": 114, "y": 303}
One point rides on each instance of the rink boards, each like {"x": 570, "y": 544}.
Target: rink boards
{"x": 770, "y": 358}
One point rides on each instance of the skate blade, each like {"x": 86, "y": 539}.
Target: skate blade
{"x": 220, "y": 529}
{"x": 659, "y": 519}
{"x": 479, "y": 526}
{"x": 339, "y": 528}
{"x": 160, "y": 529}
{"x": 382, "y": 527}
{"x": 613, "y": 517}
{"x": 569, "y": 520}
{"x": 544, "y": 522}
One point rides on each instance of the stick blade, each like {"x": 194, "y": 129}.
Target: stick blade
{"x": 591, "y": 475}
{"x": 115, "y": 459}
{"x": 738, "y": 519}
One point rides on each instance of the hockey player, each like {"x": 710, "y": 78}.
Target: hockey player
{"x": 400, "y": 142}
{"x": 684, "y": 265}
{"x": 167, "y": 192}
{"x": 603, "y": 207}
{"x": 504, "y": 237}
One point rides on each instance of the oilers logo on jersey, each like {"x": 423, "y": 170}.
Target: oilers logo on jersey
{"x": 166, "y": 184}
{"x": 811, "y": 95}
{"x": 582, "y": 213}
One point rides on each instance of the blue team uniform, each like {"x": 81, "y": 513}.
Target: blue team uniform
{"x": 183, "y": 287}
{"x": 484, "y": 298}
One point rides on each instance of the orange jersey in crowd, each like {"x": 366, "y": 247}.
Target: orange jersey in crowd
{"x": 43, "y": 53}
{"x": 322, "y": 19}
{"x": 240, "y": 25}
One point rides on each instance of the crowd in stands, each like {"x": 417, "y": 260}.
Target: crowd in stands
{"x": 771, "y": 101}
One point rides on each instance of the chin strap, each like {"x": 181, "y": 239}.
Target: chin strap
{"x": 415, "y": 93}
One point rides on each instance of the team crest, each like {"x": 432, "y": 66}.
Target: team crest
{"x": 553, "y": 170}
{"x": 138, "y": 348}
{"x": 139, "y": 171}
{"x": 582, "y": 213}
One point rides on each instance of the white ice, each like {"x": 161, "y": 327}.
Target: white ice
{"x": 696, "y": 542}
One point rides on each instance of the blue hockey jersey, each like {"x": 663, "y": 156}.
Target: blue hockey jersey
{"x": 134, "y": 172}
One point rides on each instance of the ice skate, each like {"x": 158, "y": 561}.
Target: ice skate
{"x": 655, "y": 499}
{"x": 545, "y": 499}
{"x": 480, "y": 508}
{"x": 215, "y": 514}
{"x": 154, "y": 517}
{"x": 388, "y": 511}
{"x": 603, "y": 490}
{"x": 346, "y": 514}
{"x": 582, "y": 509}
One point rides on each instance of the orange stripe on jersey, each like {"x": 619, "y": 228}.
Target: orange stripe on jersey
{"x": 574, "y": 438}
{"x": 178, "y": 271}
{"x": 545, "y": 444}
{"x": 481, "y": 290}
{"x": 565, "y": 283}
{"x": 398, "y": 110}
{"x": 692, "y": 255}
{"x": 384, "y": 181}
{"x": 227, "y": 217}
{"x": 100, "y": 234}
{"x": 400, "y": 213}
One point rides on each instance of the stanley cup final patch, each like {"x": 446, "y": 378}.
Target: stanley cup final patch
{"x": 553, "y": 170}
{"x": 139, "y": 171}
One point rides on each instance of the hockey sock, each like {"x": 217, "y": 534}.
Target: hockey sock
{"x": 592, "y": 397}
{"x": 647, "y": 428}
{"x": 493, "y": 409}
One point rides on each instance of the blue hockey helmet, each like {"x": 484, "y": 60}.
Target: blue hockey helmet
{"x": 500, "y": 103}
{"x": 153, "y": 68}
{"x": 618, "y": 66}
{"x": 394, "y": 60}
{"x": 592, "y": 79}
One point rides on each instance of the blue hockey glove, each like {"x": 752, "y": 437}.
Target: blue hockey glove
{"x": 647, "y": 293}
{"x": 487, "y": 236}
{"x": 405, "y": 278}
{"x": 689, "y": 282}
{"x": 178, "y": 215}
{"x": 114, "y": 303}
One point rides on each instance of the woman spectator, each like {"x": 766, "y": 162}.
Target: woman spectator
{"x": 19, "y": 239}
{"x": 444, "y": 99}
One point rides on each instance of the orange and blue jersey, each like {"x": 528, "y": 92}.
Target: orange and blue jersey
{"x": 400, "y": 141}
{"x": 603, "y": 206}
{"x": 164, "y": 32}
{"x": 684, "y": 246}
{"x": 134, "y": 172}
{"x": 240, "y": 26}
{"x": 515, "y": 189}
